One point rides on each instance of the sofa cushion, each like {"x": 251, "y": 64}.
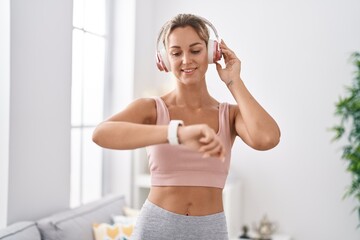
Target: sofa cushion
{"x": 77, "y": 223}
{"x": 112, "y": 231}
{"x": 20, "y": 231}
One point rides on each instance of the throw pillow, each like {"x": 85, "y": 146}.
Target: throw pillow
{"x": 105, "y": 231}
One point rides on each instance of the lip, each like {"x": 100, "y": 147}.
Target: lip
{"x": 188, "y": 71}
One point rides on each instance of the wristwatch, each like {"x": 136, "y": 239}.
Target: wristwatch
{"x": 172, "y": 131}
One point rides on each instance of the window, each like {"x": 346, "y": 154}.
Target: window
{"x": 87, "y": 103}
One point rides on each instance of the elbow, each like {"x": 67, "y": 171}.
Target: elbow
{"x": 267, "y": 143}
{"x": 106, "y": 136}
{"x": 97, "y": 135}
{"x": 273, "y": 142}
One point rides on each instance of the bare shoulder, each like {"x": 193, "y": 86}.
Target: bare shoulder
{"x": 141, "y": 110}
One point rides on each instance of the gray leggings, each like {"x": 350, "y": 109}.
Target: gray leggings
{"x": 155, "y": 223}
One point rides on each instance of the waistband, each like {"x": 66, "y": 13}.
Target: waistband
{"x": 155, "y": 209}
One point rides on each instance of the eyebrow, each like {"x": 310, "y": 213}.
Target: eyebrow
{"x": 191, "y": 45}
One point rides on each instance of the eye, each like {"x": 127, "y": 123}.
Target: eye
{"x": 195, "y": 51}
{"x": 175, "y": 54}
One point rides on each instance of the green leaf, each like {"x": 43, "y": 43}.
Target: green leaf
{"x": 339, "y": 131}
{"x": 348, "y": 109}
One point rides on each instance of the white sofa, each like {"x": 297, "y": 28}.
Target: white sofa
{"x": 73, "y": 224}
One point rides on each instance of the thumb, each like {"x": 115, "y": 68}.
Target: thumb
{"x": 218, "y": 66}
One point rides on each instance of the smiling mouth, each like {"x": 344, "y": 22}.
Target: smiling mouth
{"x": 191, "y": 70}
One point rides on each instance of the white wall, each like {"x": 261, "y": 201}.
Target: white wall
{"x": 4, "y": 106}
{"x": 295, "y": 62}
{"x": 144, "y": 51}
{"x": 40, "y": 70}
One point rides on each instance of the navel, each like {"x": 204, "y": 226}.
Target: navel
{"x": 187, "y": 212}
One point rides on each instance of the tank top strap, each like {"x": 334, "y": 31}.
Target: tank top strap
{"x": 224, "y": 113}
{"x": 225, "y": 122}
{"x": 162, "y": 112}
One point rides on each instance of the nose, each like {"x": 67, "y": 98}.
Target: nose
{"x": 186, "y": 58}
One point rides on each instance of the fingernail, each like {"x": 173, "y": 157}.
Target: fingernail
{"x": 205, "y": 155}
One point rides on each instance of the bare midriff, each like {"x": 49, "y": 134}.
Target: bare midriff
{"x": 190, "y": 201}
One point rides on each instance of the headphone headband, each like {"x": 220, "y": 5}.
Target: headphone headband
{"x": 166, "y": 25}
{"x": 211, "y": 26}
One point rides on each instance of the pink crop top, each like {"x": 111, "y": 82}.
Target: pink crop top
{"x": 179, "y": 166}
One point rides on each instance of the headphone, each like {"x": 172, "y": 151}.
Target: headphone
{"x": 213, "y": 48}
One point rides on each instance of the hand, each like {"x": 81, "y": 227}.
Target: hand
{"x": 232, "y": 64}
{"x": 202, "y": 138}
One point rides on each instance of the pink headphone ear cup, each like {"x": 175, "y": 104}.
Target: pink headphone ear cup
{"x": 214, "y": 51}
{"x": 217, "y": 52}
{"x": 161, "y": 60}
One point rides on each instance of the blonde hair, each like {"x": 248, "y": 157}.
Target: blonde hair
{"x": 184, "y": 20}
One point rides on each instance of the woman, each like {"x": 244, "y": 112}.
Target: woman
{"x": 189, "y": 135}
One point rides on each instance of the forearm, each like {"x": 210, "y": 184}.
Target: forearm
{"x": 125, "y": 135}
{"x": 261, "y": 127}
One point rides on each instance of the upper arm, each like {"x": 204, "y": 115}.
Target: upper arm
{"x": 238, "y": 125}
{"x": 142, "y": 111}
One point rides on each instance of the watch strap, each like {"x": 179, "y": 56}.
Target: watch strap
{"x": 172, "y": 131}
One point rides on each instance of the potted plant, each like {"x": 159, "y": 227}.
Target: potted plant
{"x": 348, "y": 109}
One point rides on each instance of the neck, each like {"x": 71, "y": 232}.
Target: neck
{"x": 192, "y": 95}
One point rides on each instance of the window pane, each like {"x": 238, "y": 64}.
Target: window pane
{"x": 75, "y": 167}
{"x": 94, "y": 16}
{"x": 78, "y": 15}
{"x": 77, "y": 75}
{"x": 93, "y": 88}
{"x": 88, "y": 78}
{"x": 92, "y": 168}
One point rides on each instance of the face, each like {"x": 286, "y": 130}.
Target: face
{"x": 187, "y": 54}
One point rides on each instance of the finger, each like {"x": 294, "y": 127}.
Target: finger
{"x": 228, "y": 52}
{"x": 214, "y": 151}
{"x": 208, "y": 136}
{"x": 225, "y": 56}
{"x": 228, "y": 57}
{"x": 205, "y": 140}
{"x": 222, "y": 154}
{"x": 218, "y": 66}
{"x": 223, "y": 45}
{"x": 209, "y": 146}
{"x": 217, "y": 152}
